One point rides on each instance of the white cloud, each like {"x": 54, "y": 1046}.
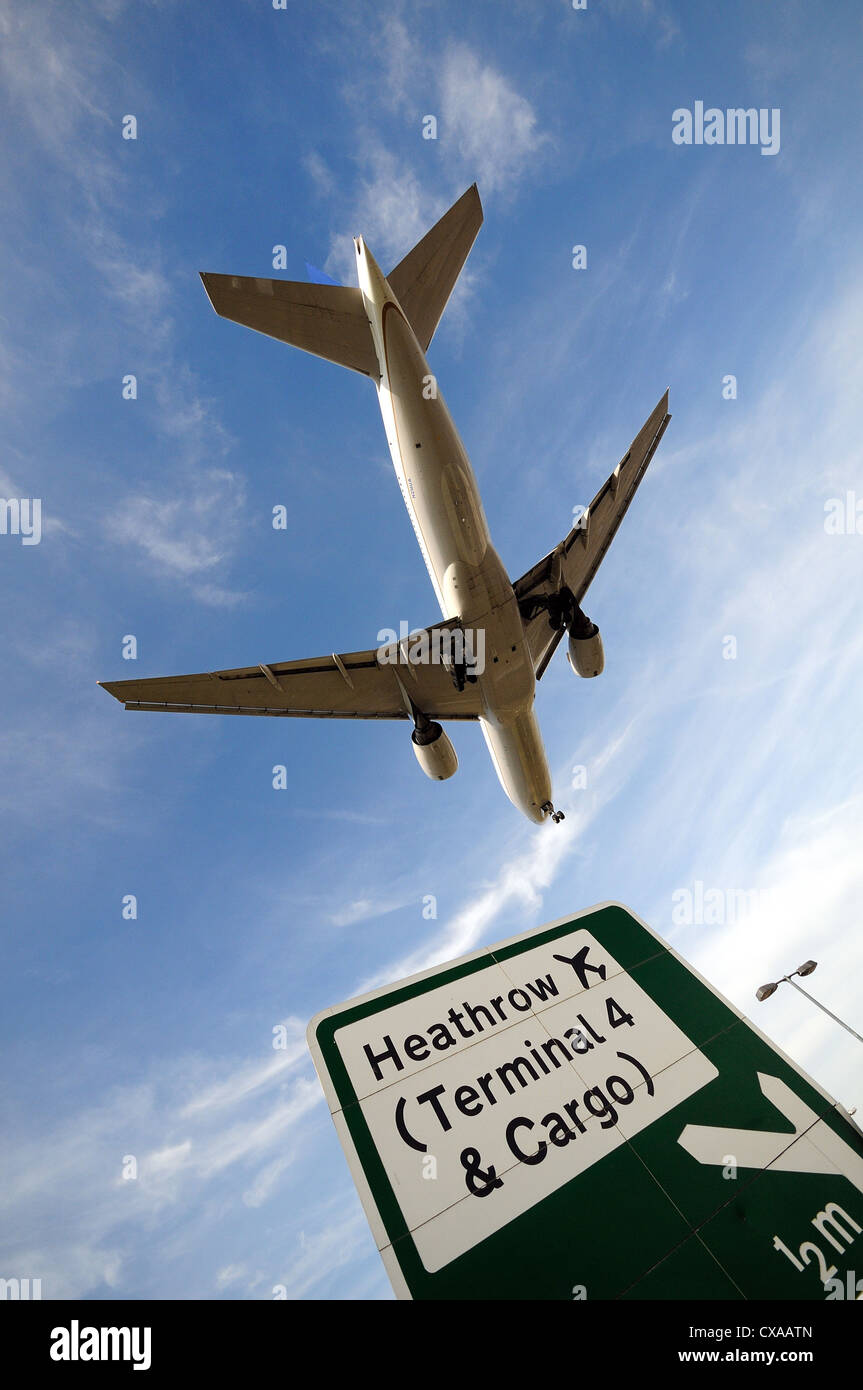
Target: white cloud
{"x": 190, "y": 521}
{"x": 231, "y": 1274}
{"x": 520, "y": 882}
{"x": 253, "y": 1077}
{"x": 169, "y": 1160}
{"x": 187, "y": 534}
{"x": 489, "y": 131}
{"x": 364, "y": 908}
{"x": 68, "y": 1183}
{"x": 403, "y": 63}
{"x": 340, "y": 1236}
{"x": 248, "y": 1139}
{"x": 391, "y": 207}
{"x": 48, "y": 73}
{"x": 320, "y": 173}
{"x": 494, "y": 128}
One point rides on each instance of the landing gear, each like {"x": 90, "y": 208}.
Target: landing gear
{"x": 460, "y": 673}
{"x": 560, "y": 606}
{"x": 556, "y": 816}
{"x": 461, "y": 667}
{"x": 564, "y": 613}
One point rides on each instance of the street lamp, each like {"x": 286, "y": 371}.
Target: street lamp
{"x": 765, "y": 991}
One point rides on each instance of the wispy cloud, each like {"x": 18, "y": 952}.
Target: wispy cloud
{"x": 495, "y": 129}
{"x": 190, "y": 519}
{"x": 342, "y": 1233}
{"x": 69, "y": 1185}
{"x": 48, "y": 71}
{"x": 489, "y": 132}
{"x": 188, "y": 534}
{"x": 520, "y": 882}
{"x": 362, "y": 909}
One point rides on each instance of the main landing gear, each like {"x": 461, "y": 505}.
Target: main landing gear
{"x": 460, "y": 673}
{"x": 549, "y": 810}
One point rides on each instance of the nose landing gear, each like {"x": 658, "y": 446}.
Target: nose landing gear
{"x": 549, "y": 810}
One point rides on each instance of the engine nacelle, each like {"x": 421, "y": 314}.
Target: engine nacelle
{"x": 586, "y": 655}
{"x": 435, "y": 754}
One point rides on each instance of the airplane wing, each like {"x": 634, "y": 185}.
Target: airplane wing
{"x": 573, "y": 563}
{"x": 358, "y": 685}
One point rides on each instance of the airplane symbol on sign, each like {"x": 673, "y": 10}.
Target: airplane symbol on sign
{"x": 581, "y": 967}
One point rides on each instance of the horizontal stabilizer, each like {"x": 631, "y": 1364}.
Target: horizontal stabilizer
{"x": 423, "y": 281}
{"x": 326, "y": 320}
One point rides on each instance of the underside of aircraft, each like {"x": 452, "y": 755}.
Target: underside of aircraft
{"x": 442, "y": 674}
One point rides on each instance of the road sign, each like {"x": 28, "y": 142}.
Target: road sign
{"x": 576, "y": 1113}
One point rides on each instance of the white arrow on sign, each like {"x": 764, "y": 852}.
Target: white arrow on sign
{"x": 789, "y": 1153}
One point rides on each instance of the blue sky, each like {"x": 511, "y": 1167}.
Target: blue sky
{"x": 257, "y": 907}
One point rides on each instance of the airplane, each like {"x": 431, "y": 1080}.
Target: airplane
{"x": 483, "y": 662}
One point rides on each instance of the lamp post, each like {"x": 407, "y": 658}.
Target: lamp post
{"x": 765, "y": 991}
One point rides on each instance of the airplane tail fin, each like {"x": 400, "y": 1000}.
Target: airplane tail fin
{"x": 423, "y": 281}
{"x": 330, "y": 320}
{"x": 326, "y": 320}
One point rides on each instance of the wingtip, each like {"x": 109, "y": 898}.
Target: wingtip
{"x": 206, "y": 278}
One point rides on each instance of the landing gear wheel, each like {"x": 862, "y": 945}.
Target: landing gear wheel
{"x": 548, "y": 808}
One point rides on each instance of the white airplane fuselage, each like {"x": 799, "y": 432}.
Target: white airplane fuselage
{"x": 469, "y": 579}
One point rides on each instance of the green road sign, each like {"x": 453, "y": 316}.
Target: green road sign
{"x": 576, "y": 1113}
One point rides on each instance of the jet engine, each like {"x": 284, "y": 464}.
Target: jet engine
{"x": 435, "y": 754}
{"x": 585, "y": 656}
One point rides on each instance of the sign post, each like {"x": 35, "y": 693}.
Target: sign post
{"x": 576, "y": 1113}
